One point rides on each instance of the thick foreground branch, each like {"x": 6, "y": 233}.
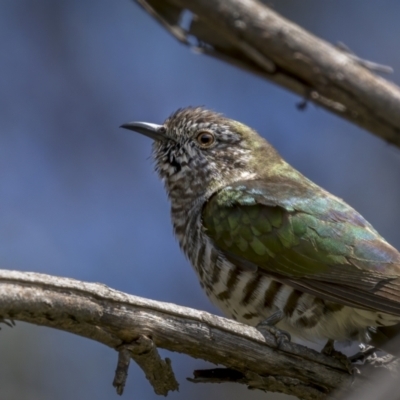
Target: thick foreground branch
{"x": 135, "y": 327}
{"x": 250, "y": 35}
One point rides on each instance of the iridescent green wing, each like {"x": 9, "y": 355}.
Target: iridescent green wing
{"x": 308, "y": 239}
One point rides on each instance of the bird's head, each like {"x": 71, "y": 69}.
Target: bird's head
{"x": 198, "y": 151}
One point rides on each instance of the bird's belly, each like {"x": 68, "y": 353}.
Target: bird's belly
{"x": 250, "y": 297}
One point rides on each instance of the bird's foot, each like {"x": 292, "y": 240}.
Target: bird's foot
{"x": 372, "y": 357}
{"x": 329, "y": 350}
{"x": 365, "y": 354}
{"x": 9, "y": 323}
{"x": 268, "y": 325}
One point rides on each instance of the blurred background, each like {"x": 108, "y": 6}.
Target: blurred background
{"x": 78, "y": 195}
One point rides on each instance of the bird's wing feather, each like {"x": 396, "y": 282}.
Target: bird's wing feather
{"x": 317, "y": 244}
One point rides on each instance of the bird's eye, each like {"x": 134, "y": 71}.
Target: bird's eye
{"x": 205, "y": 139}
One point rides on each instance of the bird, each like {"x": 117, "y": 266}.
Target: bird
{"x": 268, "y": 245}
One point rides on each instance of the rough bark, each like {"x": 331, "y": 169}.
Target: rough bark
{"x": 250, "y": 35}
{"x": 136, "y": 327}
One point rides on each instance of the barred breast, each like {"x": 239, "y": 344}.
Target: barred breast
{"x": 252, "y": 296}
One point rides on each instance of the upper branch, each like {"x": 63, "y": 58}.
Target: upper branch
{"x": 250, "y": 35}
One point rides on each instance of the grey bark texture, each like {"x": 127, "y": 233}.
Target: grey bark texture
{"x": 135, "y": 327}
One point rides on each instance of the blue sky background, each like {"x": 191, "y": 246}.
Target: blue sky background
{"x": 78, "y": 195}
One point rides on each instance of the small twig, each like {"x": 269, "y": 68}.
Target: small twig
{"x": 121, "y": 373}
{"x": 370, "y": 65}
{"x": 174, "y": 29}
{"x": 158, "y": 371}
{"x": 302, "y": 105}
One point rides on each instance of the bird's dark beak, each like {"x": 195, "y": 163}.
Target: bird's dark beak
{"x": 153, "y": 131}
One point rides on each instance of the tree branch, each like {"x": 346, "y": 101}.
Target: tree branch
{"x": 250, "y": 35}
{"x": 135, "y": 327}
{"x": 117, "y": 319}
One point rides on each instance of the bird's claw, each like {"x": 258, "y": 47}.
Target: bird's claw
{"x": 268, "y": 325}
{"x": 273, "y": 319}
{"x": 365, "y": 354}
{"x": 329, "y": 348}
{"x": 10, "y": 322}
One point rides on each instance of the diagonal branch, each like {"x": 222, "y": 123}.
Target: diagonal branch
{"x": 135, "y": 327}
{"x": 117, "y": 319}
{"x": 250, "y": 35}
